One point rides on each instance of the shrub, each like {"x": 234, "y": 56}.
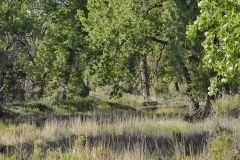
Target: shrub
{"x": 80, "y": 142}
{"x": 222, "y": 146}
{"x": 227, "y": 106}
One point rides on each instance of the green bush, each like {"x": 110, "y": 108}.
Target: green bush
{"x": 80, "y": 142}
{"x": 222, "y": 146}
{"x": 227, "y": 106}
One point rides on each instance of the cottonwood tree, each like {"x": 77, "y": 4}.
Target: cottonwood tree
{"x": 125, "y": 30}
{"x": 219, "y": 21}
{"x": 41, "y": 43}
{"x": 61, "y": 59}
{"x": 178, "y": 52}
{"x": 124, "y": 33}
{"x": 21, "y": 28}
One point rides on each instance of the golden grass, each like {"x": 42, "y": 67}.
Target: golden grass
{"x": 113, "y": 123}
{"x": 16, "y": 134}
{"x": 55, "y": 129}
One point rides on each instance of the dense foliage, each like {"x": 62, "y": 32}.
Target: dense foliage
{"x": 62, "y": 49}
{"x": 219, "y": 21}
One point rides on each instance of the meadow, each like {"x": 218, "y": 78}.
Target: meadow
{"x": 107, "y": 129}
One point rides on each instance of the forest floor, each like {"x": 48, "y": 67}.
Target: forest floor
{"x": 97, "y": 129}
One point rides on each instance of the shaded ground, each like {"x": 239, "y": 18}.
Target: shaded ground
{"x": 38, "y": 113}
{"x": 166, "y": 145}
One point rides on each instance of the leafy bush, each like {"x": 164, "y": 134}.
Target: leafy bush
{"x": 80, "y": 142}
{"x": 222, "y": 146}
{"x": 227, "y": 106}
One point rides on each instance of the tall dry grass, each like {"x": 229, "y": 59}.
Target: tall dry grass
{"x": 114, "y": 135}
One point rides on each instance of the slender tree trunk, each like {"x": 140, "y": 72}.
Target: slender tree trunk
{"x": 41, "y": 91}
{"x": 70, "y": 63}
{"x": 226, "y": 89}
{"x": 145, "y": 78}
{"x": 85, "y": 90}
{"x": 28, "y": 88}
{"x": 2, "y": 85}
{"x": 156, "y": 71}
{"x": 207, "y": 107}
{"x": 42, "y": 85}
{"x": 156, "y": 86}
{"x": 193, "y": 104}
{"x": 156, "y": 79}
{"x": 177, "y": 87}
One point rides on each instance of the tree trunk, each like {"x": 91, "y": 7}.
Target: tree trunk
{"x": 177, "y": 87}
{"x": 145, "y": 78}
{"x": 41, "y": 91}
{"x": 42, "y": 85}
{"x": 207, "y": 107}
{"x": 156, "y": 87}
{"x": 156, "y": 79}
{"x": 70, "y": 63}
{"x": 156, "y": 71}
{"x": 193, "y": 104}
{"x": 85, "y": 90}
{"x": 1, "y": 91}
{"x": 28, "y": 88}
{"x": 226, "y": 89}
{"x": 2, "y": 85}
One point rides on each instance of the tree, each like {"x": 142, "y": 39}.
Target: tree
{"x": 60, "y": 60}
{"x": 21, "y": 28}
{"x": 41, "y": 42}
{"x": 124, "y": 33}
{"x": 219, "y": 21}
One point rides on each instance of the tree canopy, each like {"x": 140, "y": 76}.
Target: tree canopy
{"x": 219, "y": 22}
{"x": 62, "y": 49}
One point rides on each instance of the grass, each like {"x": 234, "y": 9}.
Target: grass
{"x": 55, "y": 129}
{"x": 129, "y": 138}
{"x": 227, "y": 106}
{"x": 108, "y": 129}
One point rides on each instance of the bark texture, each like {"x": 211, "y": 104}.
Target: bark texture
{"x": 145, "y": 78}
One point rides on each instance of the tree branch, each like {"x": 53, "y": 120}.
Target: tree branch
{"x": 153, "y": 7}
{"x": 1, "y": 89}
{"x": 157, "y": 40}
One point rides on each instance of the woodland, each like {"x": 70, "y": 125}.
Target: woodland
{"x": 120, "y": 79}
